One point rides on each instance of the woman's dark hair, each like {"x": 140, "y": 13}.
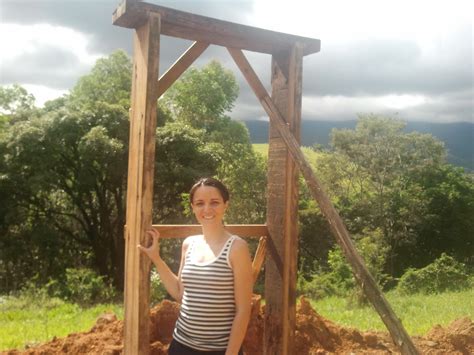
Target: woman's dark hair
{"x": 208, "y": 181}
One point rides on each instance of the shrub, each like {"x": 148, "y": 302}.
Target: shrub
{"x": 157, "y": 289}
{"x": 444, "y": 274}
{"x": 85, "y": 286}
{"x": 338, "y": 281}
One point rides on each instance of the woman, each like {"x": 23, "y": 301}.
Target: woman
{"x": 214, "y": 282}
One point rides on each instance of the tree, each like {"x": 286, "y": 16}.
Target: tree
{"x": 182, "y": 157}
{"x": 388, "y": 158}
{"x": 15, "y": 99}
{"x": 108, "y": 82}
{"x": 64, "y": 171}
{"x": 201, "y": 99}
{"x": 447, "y": 226}
{"x": 69, "y": 170}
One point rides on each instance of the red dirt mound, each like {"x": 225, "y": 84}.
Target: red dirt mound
{"x": 314, "y": 335}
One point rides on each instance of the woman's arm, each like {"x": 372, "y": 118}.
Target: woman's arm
{"x": 171, "y": 282}
{"x": 243, "y": 284}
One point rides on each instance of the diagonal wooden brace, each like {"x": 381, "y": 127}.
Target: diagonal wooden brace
{"x": 259, "y": 257}
{"x": 180, "y": 66}
{"x": 362, "y": 275}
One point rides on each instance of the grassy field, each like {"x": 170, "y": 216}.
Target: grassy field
{"x": 419, "y": 313}
{"x": 28, "y": 322}
{"x": 262, "y": 149}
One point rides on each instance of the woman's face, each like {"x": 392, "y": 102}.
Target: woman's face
{"x": 208, "y": 205}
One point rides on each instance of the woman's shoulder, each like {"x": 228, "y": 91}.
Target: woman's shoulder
{"x": 239, "y": 251}
{"x": 239, "y": 244}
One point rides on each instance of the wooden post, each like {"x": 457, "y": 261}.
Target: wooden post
{"x": 140, "y": 183}
{"x": 282, "y": 207}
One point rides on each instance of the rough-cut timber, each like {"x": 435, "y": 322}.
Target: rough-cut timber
{"x": 259, "y": 258}
{"x": 362, "y": 275}
{"x": 180, "y": 66}
{"x": 140, "y": 184}
{"x": 193, "y": 27}
{"x": 185, "y": 230}
{"x": 282, "y": 206}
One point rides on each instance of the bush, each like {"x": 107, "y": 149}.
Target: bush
{"x": 85, "y": 286}
{"x": 337, "y": 282}
{"x": 444, "y": 274}
{"x": 157, "y": 289}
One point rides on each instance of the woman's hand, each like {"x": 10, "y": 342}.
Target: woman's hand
{"x": 153, "y": 251}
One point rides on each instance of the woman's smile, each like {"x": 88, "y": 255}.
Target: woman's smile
{"x": 208, "y": 205}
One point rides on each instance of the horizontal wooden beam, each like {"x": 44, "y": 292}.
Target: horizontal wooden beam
{"x": 193, "y": 27}
{"x": 185, "y": 230}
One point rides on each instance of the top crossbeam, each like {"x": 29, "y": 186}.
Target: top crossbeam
{"x": 193, "y": 27}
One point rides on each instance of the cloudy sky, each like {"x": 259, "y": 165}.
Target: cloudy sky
{"x": 409, "y": 58}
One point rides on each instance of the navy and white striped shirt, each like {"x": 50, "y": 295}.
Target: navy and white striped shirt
{"x": 208, "y": 304}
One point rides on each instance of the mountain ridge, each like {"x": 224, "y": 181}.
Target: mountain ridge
{"x": 458, "y": 137}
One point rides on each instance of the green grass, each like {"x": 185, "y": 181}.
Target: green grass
{"x": 419, "y": 313}
{"x": 28, "y": 321}
{"x": 261, "y": 148}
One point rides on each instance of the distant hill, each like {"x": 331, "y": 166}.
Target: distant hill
{"x": 458, "y": 137}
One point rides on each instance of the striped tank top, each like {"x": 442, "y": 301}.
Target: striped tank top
{"x": 208, "y": 305}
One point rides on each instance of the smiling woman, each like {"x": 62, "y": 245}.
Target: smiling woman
{"x": 214, "y": 293}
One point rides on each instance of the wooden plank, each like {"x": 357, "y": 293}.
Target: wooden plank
{"x": 193, "y": 27}
{"x": 140, "y": 184}
{"x": 259, "y": 258}
{"x": 185, "y": 230}
{"x": 362, "y": 275}
{"x": 282, "y": 207}
{"x": 294, "y": 87}
{"x": 180, "y": 66}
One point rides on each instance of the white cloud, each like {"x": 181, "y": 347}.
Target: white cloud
{"x": 343, "y": 21}
{"x": 19, "y": 40}
{"x": 417, "y": 107}
{"x": 44, "y": 56}
{"x": 400, "y": 102}
{"x": 348, "y": 107}
{"x": 43, "y": 93}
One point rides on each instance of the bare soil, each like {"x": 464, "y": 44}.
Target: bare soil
{"x": 314, "y": 335}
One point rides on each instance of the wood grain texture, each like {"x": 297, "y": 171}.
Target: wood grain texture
{"x": 185, "y": 230}
{"x": 193, "y": 27}
{"x": 140, "y": 184}
{"x": 294, "y": 85}
{"x": 282, "y": 218}
{"x": 360, "y": 271}
{"x": 259, "y": 258}
{"x": 180, "y": 66}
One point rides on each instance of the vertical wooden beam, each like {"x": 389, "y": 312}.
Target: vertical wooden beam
{"x": 140, "y": 183}
{"x": 295, "y": 89}
{"x": 282, "y": 207}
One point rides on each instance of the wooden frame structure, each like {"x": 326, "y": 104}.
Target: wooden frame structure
{"x": 284, "y": 162}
